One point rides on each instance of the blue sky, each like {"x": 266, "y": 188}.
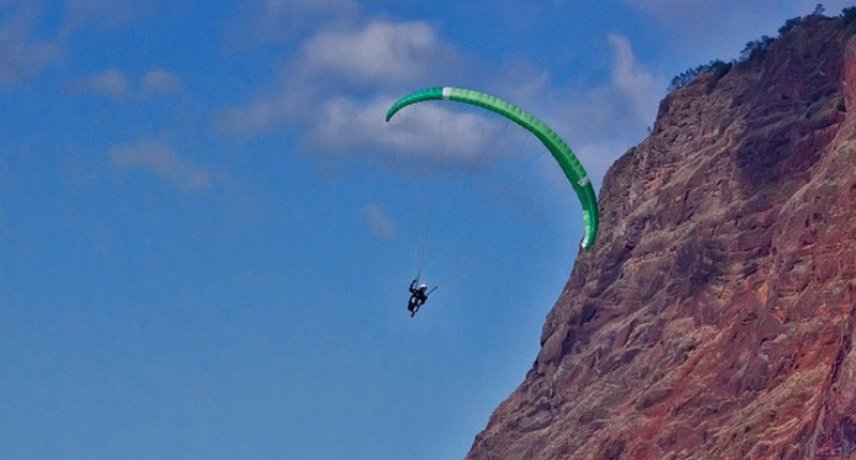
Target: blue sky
{"x": 207, "y": 230}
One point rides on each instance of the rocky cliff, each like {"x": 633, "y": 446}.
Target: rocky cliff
{"x": 715, "y": 316}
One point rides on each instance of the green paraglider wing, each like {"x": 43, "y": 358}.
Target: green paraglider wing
{"x": 569, "y": 162}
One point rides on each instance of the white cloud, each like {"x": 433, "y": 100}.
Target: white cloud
{"x": 20, "y": 56}
{"x": 328, "y": 93}
{"x": 600, "y": 122}
{"x": 331, "y": 65}
{"x": 640, "y": 89}
{"x": 160, "y": 81}
{"x": 380, "y": 53}
{"x": 161, "y": 159}
{"x": 380, "y": 224}
{"x": 416, "y": 139}
{"x": 338, "y": 85}
{"x": 111, "y": 83}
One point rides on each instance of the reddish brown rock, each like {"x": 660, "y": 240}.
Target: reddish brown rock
{"x": 715, "y": 316}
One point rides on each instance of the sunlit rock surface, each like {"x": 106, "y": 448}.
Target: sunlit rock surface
{"x": 714, "y": 317}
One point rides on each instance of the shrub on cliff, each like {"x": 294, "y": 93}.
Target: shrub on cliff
{"x": 790, "y": 24}
{"x": 756, "y": 49}
{"x": 718, "y": 66}
{"x": 848, "y": 14}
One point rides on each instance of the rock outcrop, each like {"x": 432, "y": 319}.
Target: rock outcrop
{"x": 714, "y": 318}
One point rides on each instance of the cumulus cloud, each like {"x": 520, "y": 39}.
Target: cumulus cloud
{"x": 338, "y": 84}
{"x": 330, "y": 64}
{"x": 377, "y": 54}
{"x": 637, "y": 85}
{"x": 379, "y": 223}
{"x": 111, "y": 83}
{"x": 160, "y": 81}
{"x": 598, "y": 122}
{"x": 21, "y": 56}
{"x": 427, "y": 136}
{"x": 161, "y": 159}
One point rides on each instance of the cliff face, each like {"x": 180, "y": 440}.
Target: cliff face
{"x": 714, "y": 317}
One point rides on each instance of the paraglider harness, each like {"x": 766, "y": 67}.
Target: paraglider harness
{"x": 418, "y": 296}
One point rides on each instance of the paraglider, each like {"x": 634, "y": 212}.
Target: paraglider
{"x": 418, "y": 296}
{"x": 569, "y": 163}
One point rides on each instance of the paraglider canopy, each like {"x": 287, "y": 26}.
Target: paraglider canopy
{"x": 569, "y": 162}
